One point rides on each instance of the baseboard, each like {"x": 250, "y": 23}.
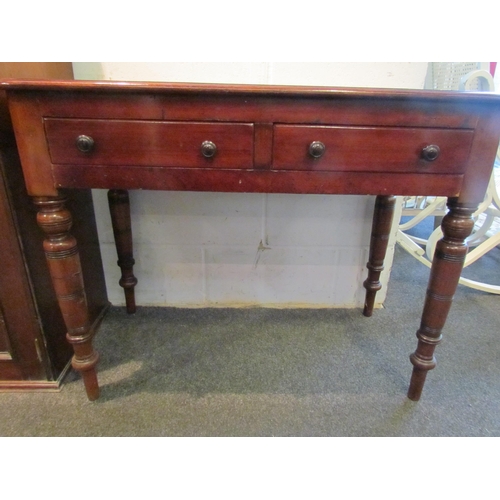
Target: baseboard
{"x": 35, "y": 385}
{"x": 48, "y": 385}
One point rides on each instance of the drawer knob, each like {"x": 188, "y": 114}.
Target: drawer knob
{"x": 208, "y": 149}
{"x": 430, "y": 153}
{"x": 317, "y": 149}
{"x": 84, "y": 143}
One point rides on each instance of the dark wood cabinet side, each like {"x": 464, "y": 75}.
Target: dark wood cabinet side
{"x": 34, "y": 353}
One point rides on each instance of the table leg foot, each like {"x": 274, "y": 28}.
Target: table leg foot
{"x": 63, "y": 261}
{"x": 416, "y": 384}
{"x": 420, "y": 368}
{"x": 119, "y": 208}
{"x": 381, "y": 228}
{"x": 86, "y": 367}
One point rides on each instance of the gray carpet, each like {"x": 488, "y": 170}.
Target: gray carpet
{"x": 267, "y": 372}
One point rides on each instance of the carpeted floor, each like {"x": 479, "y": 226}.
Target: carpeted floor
{"x": 268, "y": 372}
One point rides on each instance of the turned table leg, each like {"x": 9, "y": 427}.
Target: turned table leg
{"x": 119, "y": 207}
{"x": 447, "y": 266}
{"x": 381, "y": 228}
{"x": 63, "y": 261}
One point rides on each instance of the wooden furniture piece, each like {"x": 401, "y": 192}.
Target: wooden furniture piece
{"x": 33, "y": 352}
{"x": 121, "y": 136}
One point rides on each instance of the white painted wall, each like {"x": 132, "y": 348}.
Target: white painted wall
{"x": 224, "y": 249}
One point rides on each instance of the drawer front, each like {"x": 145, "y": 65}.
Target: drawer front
{"x": 370, "y": 149}
{"x": 150, "y": 143}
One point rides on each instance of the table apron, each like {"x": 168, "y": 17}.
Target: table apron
{"x": 258, "y": 181}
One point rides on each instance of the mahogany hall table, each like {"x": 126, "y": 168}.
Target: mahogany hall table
{"x": 252, "y": 139}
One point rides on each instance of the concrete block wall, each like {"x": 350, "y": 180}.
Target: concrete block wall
{"x": 232, "y": 250}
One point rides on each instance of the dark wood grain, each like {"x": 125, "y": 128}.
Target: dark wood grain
{"x": 371, "y": 149}
{"x": 381, "y": 228}
{"x": 147, "y": 136}
{"x": 447, "y": 266}
{"x": 119, "y": 208}
{"x": 254, "y": 181}
{"x": 63, "y": 261}
{"x": 243, "y": 90}
{"x": 151, "y": 143}
{"x": 34, "y": 354}
{"x": 33, "y": 70}
{"x": 18, "y": 316}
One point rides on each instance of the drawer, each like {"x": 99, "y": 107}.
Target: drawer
{"x": 370, "y": 149}
{"x": 150, "y": 143}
